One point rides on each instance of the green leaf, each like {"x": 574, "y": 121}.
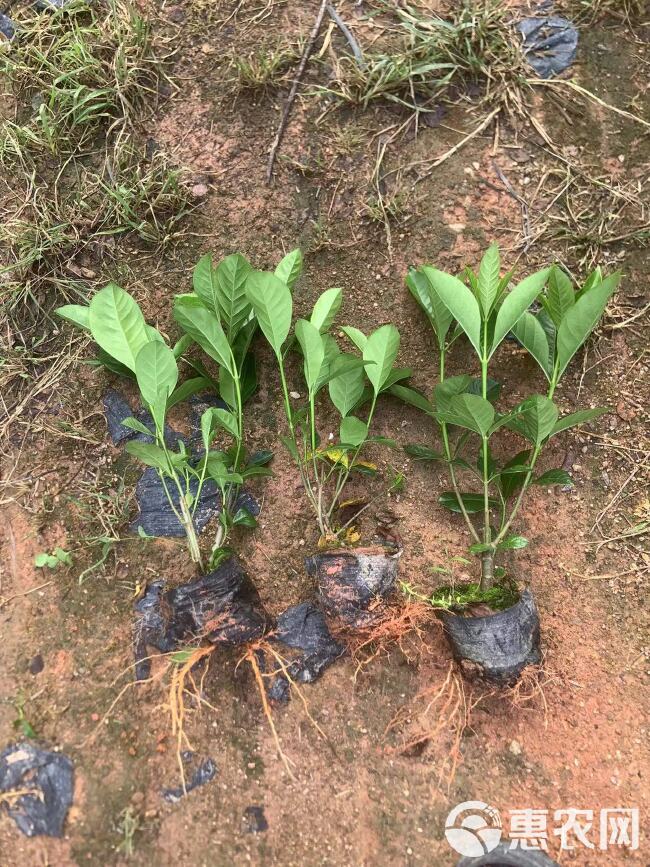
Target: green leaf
{"x": 577, "y": 418}
{"x": 313, "y": 350}
{"x": 382, "y": 348}
{"x": 291, "y": 447}
{"x": 222, "y": 418}
{"x": 444, "y": 391}
{"x": 182, "y": 345}
{"x": 103, "y": 359}
{"x": 469, "y": 411}
{"x": 243, "y": 518}
{"x": 222, "y": 290}
{"x": 346, "y": 389}
{"x": 357, "y": 337}
{"x": 515, "y": 305}
{"x": 582, "y": 318}
{"x": 134, "y": 424}
{"x": 290, "y": 268}
{"x": 250, "y": 472}
{"x": 473, "y": 502}
{"x": 260, "y": 458}
{"x": 554, "y": 477}
{"x": 534, "y": 418}
{"x": 150, "y": 454}
{"x": 117, "y": 324}
{"x": 396, "y": 375}
{"x": 532, "y": 337}
{"x": 413, "y": 398}
{"x": 332, "y": 362}
{"x": 421, "y": 288}
{"x": 78, "y": 314}
{"x": 488, "y": 279}
{"x": 460, "y": 302}
{"x": 44, "y": 559}
{"x": 480, "y": 547}
{"x": 423, "y": 453}
{"x": 326, "y": 308}
{"x": 492, "y": 391}
{"x": 271, "y": 300}
{"x": 560, "y": 297}
{"x": 513, "y": 474}
{"x": 512, "y": 543}
{"x": 186, "y": 389}
{"x": 353, "y": 431}
{"x": 205, "y": 329}
{"x": 156, "y": 372}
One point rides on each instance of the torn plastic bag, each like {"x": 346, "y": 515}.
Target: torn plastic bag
{"x": 352, "y": 581}
{"x": 222, "y": 607}
{"x": 504, "y": 856}
{"x": 550, "y": 44}
{"x": 49, "y": 779}
{"x": 117, "y": 409}
{"x": 303, "y": 627}
{"x": 500, "y": 645}
{"x": 203, "y": 773}
{"x": 156, "y": 516}
{"x": 7, "y": 27}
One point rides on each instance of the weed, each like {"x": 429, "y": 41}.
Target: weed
{"x": 474, "y": 46}
{"x": 22, "y": 724}
{"x": 57, "y": 558}
{"x": 264, "y": 67}
{"x": 78, "y": 69}
{"x": 127, "y": 826}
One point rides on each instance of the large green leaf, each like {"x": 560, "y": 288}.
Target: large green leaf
{"x": 532, "y": 337}
{"x": 423, "y": 453}
{"x": 578, "y": 418}
{"x": 381, "y": 351}
{"x": 516, "y": 303}
{"x": 460, "y": 302}
{"x": 326, "y": 308}
{"x": 473, "y": 503}
{"x": 313, "y": 350}
{"x": 78, "y": 314}
{"x": 346, "y": 389}
{"x": 534, "y": 418}
{"x": 554, "y": 477}
{"x": 413, "y": 397}
{"x": 560, "y": 296}
{"x": 149, "y": 454}
{"x": 217, "y": 417}
{"x": 513, "y": 474}
{"x": 271, "y": 300}
{"x": 117, "y": 324}
{"x": 421, "y": 288}
{"x": 156, "y": 372}
{"x": 357, "y": 337}
{"x": 353, "y": 431}
{"x": 488, "y": 279}
{"x": 205, "y": 329}
{"x": 581, "y": 319}
{"x": 448, "y": 388}
{"x": 469, "y": 411}
{"x": 222, "y": 290}
{"x": 187, "y": 389}
{"x": 290, "y": 267}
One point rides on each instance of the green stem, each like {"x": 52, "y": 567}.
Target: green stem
{"x": 344, "y": 476}
{"x": 487, "y": 558}
{"x": 448, "y": 455}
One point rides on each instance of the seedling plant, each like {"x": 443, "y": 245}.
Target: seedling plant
{"x": 482, "y": 308}
{"x": 131, "y": 347}
{"x": 354, "y": 383}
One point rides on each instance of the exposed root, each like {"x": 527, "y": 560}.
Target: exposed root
{"x": 252, "y": 660}
{"x": 529, "y": 687}
{"x": 440, "y": 714}
{"x": 401, "y": 626}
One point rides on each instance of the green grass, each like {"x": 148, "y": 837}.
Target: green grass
{"x": 264, "y": 67}
{"x": 76, "y": 71}
{"x": 436, "y": 57}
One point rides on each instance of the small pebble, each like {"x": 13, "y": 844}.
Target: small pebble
{"x": 515, "y": 748}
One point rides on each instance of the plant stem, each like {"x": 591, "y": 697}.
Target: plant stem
{"x": 452, "y": 472}
{"x": 487, "y": 558}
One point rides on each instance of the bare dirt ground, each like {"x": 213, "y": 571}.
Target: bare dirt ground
{"x": 578, "y": 737}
